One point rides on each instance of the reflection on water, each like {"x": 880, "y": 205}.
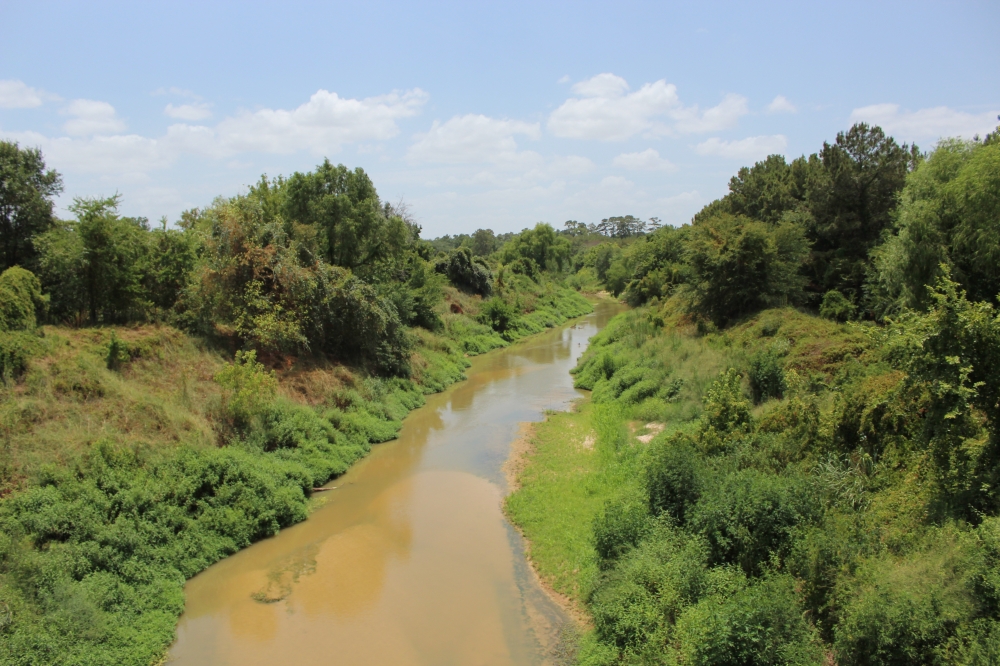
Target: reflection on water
{"x": 411, "y": 560}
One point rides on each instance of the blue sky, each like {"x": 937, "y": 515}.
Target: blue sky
{"x": 480, "y": 114}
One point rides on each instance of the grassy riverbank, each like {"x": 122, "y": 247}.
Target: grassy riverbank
{"x": 768, "y": 494}
{"x": 136, "y": 456}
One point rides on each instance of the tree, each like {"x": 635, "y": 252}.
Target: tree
{"x": 621, "y": 226}
{"x": 949, "y": 216}
{"x": 26, "y": 192}
{"x": 541, "y": 245}
{"x": 353, "y": 229}
{"x": 739, "y": 265}
{"x": 484, "y": 242}
{"x": 851, "y": 191}
{"x": 95, "y": 267}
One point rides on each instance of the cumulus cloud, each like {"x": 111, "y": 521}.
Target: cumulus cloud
{"x": 780, "y": 104}
{"x": 92, "y": 117}
{"x": 196, "y": 111}
{"x": 15, "y": 94}
{"x": 471, "y": 138}
{"x": 932, "y": 123}
{"x": 121, "y": 154}
{"x": 604, "y": 109}
{"x": 321, "y": 125}
{"x": 752, "y": 148}
{"x": 647, "y": 160}
{"x": 95, "y": 141}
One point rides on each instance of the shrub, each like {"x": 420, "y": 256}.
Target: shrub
{"x": 249, "y": 389}
{"x": 766, "y": 375}
{"x": 749, "y": 516}
{"x": 21, "y": 300}
{"x": 618, "y": 528}
{"x": 726, "y": 409}
{"x": 466, "y": 272}
{"x": 673, "y": 477}
{"x": 499, "y": 315}
{"x": 760, "y": 625}
{"x": 836, "y": 306}
{"x": 905, "y": 610}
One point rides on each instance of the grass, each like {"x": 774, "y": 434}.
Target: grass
{"x": 578, "y": 461}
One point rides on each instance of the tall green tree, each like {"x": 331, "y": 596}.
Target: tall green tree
{"x": 852, "y": 187}
{"x": 96, "y": 266}
{"x": 949, "y": 218}
{"x": 26, "y": 192}
{"x": 353, "y": 229}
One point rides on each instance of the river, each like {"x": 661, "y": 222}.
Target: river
{"x": 410, "y": 560}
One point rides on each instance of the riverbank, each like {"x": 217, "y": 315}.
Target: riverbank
{"x": 770, "y": 489}
{"x": 134, "y": 457}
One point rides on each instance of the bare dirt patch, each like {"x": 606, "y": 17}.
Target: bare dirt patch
{"x": 652, "y": 430}
{"x": 520, "y": 450}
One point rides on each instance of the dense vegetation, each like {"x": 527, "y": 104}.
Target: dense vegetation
{"x": 752, "y": 483}
{"x": 171, "y": 395}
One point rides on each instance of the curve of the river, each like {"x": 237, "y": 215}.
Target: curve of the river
{"x": 411, "y": 560}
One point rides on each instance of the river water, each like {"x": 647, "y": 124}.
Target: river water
{"x": 410, "y": 560}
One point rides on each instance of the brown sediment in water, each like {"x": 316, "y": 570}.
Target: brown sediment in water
{"x": 410, "y": 559}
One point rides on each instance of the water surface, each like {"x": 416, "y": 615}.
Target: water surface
{"x": 411, "y": 560}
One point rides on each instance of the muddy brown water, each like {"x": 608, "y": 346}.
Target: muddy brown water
{"x": 411, "y": 560}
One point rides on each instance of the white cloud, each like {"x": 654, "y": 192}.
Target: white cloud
{"x": 109, "y": 155}
{"x": 15, "y": 94}
{"x": 321, "y": 125}
{"x": 92, "y": 117}
{"x": 196, "y": 111}
{"x": 780, "y": 104}
{"x": 933, "y": 123}
{"x": 604, "y": 109}
{"x": 647, "y": 160}
{"x": 752, "y": 148}
{"x": 471, "y": 138}
{"x": 717, "y": 118}
{"x": 564, "y": 79}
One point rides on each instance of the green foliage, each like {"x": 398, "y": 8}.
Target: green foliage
{"x": 836, "y": 306}
{"x": 739, "y": 266}
{"x": 947, "y": 217}
{"x": 619, "y": 528}
{"x": 350, "y": 226}
{"x": 466, "y": 271}
{"x": 766, "y": 372}
{"x": 499, "y": 314}
{"x": 95, "y": 268}
{"x": 21, "y": 300}
{"x": 674, "y": 477}
{"x": 726, "y": 409}
{"x": 248, "y": 390}
{"x": 748, "y": 517}
{"x": 760, "y": 624}
{"x": 26, "y": 193}
{"x": 540, "y": 245}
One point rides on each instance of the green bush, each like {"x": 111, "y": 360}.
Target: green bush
{"x": 618, "y": 528}
{"x": 466, "y": 271}
{"x": 906, "y": 610}
{"x": 760, "y": 625}
{"x": 499, "y": 315}
{"x": 21, "y": 300}
{"x": 767, "y": 375}
{"x": 836, "y": 306}
{"x": 749, "y": 516}
{"x": 673, "y": 477}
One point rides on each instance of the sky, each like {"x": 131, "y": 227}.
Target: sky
{"x": 479, "y": 114}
